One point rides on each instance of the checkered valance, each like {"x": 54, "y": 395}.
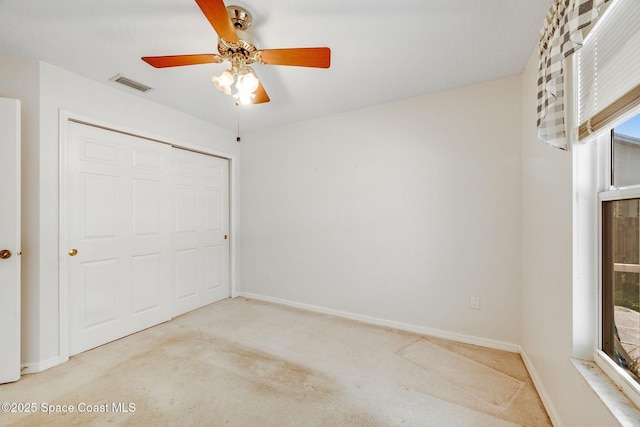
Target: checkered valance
{"x": 564, "y": 28}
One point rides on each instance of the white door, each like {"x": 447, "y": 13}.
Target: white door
{"x": 9, "y": 240}
{"x": 118, "y": 235}
{"x": 201, "y": 228}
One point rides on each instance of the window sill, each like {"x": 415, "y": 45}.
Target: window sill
{"x": 620, "y": 406}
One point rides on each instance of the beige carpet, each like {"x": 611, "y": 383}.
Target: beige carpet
{"x": 247, "y": 363}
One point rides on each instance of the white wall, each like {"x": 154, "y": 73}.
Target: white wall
{"x": 400, "y": 212}
{"x": 57, "y": 89}
{"x": 547, "y": 272}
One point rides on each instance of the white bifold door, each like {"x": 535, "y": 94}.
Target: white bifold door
{"x": 146, "y": 226}
{"x": 200, "y": 245}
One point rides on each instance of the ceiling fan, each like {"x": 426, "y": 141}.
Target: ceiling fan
{"x": 236, "y": 45}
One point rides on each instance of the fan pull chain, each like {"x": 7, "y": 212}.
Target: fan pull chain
{"x": 238, "y": 129}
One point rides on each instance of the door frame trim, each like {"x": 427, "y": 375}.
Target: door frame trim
{"x": 64, "y": 118}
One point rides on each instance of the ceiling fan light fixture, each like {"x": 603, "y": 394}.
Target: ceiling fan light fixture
{"x": 247, "y": 81}
{"x": 244, "y": 98}
{"x": 223, "y": 82}
{"x": 246, "y": 84}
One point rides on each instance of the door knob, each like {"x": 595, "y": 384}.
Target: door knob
{"x": 73, "y": 252}
{"x": 5, "y": 254}
{"x": 226, "y": 237}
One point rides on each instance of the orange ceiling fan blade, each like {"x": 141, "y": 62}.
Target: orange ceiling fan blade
{"x": 180, "y": 60}
{"x": 318, "y": 57}
{"x": 260, "y": 95}
{"x": 216, "y": 13}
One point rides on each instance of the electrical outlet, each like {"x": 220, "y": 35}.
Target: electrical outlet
{"x": 475, "y": 302}
{"x": 269, "y": 273}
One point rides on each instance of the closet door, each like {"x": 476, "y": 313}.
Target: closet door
{"x": 119, "y": 235}
{"x": 200, "y": 229}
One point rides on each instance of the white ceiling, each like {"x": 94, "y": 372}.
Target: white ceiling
{"x": 382, "y": 51}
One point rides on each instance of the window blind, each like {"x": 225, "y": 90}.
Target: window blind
{"x": 609, "y": 68}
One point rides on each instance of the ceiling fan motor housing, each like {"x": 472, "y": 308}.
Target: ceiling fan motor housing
{"x": 245, "y": 47}
{"x": 240, "y": 18}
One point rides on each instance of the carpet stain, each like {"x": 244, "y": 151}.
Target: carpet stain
{"x": 272, "y": 372}
{"x": 267, "y": 370}
{"x": 198, "y": 365}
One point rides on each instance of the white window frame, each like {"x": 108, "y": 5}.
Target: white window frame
{"x": 591, "y": 187}
{"x": 607, "y": 192}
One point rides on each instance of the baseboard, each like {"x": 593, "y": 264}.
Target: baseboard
{"x": 542, "y": 392}
{"x": 34, "y": 367}
{"x": 467, "y": 339}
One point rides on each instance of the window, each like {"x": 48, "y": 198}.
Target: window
{"x": 625, "y": 140}
{"x": 621, "y": 252}
{"x": 607, "y": 86}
